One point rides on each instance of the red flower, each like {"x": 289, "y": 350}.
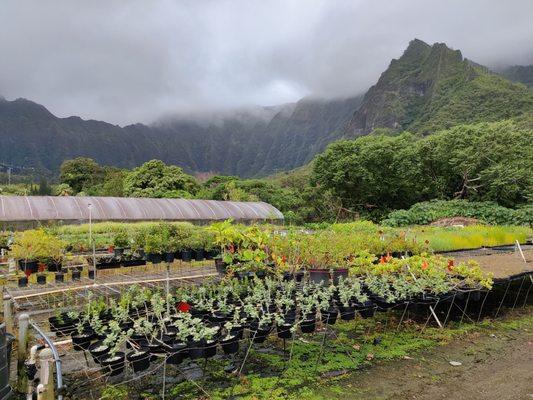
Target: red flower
{"x": 183, "y": 307}
{"x": 450, "y": 265}
{"x": 284, "y": 259}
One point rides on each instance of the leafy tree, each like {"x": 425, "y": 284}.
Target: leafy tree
{"x": 156, "y": 179}
{"x": 81, "y": 173}
{"x": 372, "y": 172}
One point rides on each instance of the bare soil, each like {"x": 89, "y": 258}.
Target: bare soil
{"x": 503, "y": 264}
{"x": 494, "y": 366}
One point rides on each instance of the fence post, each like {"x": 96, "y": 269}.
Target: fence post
{"x": 22, "y": 377}
{"x": 8, "y": 313}
{"x": 46, "y": 362}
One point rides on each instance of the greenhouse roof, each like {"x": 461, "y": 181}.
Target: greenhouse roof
{"x": 50, "y": 208}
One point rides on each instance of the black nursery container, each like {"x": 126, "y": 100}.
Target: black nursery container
{"x": 29, "y": 265}
{"x": 76, "y": 275}
{"x": 329, "y": 317}
{"x": 186, "y": 256}
{"x": 23, "y": 281}
{"x": 169, "y": 257}
{"x": 59, "y": 277}
{"x": 139, "y": 360}
{"x": 154, "y": 258}
{"x": 308, "y": 325}
{"x": 41, "y": 279}
{"x": 178, "y": 353}
{"x": 284, "y": 331}
{"x": 347, "y": 313}
{"x": 199, "y": 254}
{"x": 83, "y": 341}
{"x": 196, "y": 350}
{"x": 319, "y": 276}
{"x": 98, "y": 351}
{"x": 231, "y": 345}
{"x": 114, "y": 365}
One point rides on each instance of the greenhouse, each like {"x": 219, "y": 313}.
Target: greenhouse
{"x": 14, "y": 209}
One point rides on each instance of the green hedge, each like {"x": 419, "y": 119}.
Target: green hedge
{"x": 486, "y": 211}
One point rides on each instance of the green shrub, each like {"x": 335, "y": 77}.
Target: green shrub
{"x": 486, "y": 212}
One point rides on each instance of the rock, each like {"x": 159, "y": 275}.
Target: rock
{"x": 455, "y": 363}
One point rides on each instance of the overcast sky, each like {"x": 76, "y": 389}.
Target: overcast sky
{"x": 133, "y": 61}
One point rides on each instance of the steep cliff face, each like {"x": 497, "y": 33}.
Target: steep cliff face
{"x": 434, "y": 87}
{"x": 247, "y": 143}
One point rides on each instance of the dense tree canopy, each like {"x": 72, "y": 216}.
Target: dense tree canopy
{"x": 156, "y": 179}
{"x": 81, "y": 173}
{"x": 486, "y": 161}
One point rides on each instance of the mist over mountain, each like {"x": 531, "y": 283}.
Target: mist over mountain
{"x": 428, "y": 88}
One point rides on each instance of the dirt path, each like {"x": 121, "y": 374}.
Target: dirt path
{"x": 495, "y": 366}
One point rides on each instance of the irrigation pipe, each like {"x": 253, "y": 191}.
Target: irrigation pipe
{"x": 56, "y": 359}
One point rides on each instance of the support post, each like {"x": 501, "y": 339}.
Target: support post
{"x": 8, "y": 313}
{"x": 46, "y": 363}
{"x": 22, "y": 378}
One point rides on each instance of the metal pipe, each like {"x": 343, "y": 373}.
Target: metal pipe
{"x": 56, "y": 359}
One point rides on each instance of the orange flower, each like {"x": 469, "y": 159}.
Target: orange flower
{"x": 389, "y": 257}
{"x": 382, "y": 260}
{"x": 425, "y": 265}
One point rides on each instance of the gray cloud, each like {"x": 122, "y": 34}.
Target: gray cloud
{"x": 132, "y": 60}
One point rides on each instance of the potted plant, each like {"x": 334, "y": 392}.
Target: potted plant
{"x": 230, "y": 341}
{"x": 121, "y": 241}
{"x": 153, "y": 247}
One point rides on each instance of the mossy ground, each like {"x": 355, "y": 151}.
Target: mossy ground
{"x": 300, "y": 373}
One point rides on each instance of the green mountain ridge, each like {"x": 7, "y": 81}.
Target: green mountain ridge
{"x": 428, "y": 88}
{"x": 433, "y": 87}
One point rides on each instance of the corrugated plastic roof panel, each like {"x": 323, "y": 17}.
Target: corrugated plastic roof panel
{"x": 49, "y": 208}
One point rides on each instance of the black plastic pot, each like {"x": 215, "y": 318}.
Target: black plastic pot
{"x": 59, "y": 277}
{"x": 319, "y": 276}
{"x": 91, "y": 274}
{"x": 366, "y": 309}
{"x": 23, "y": 281}
{"x": 337, "y": 273}
{"x": 98, "y": 351}
{"x": 221, "y": 266}
{"x": 139, "y": 360}
{"x": 169, "y": 257}
{"x": 199, "y": 254}
{"x": 76, "y": 275}
{"x": 178, "y": 353}
{"x": 237, "y": 331}
{"x": 329, "y": 317}
{"x": 196, "y": 350}
{"x": 118, "y": 251}
{"x": 231, "y": 345}
{"x": 209, "y": 254}
{"x": 347, "y": 313}
{"x": 210, "y": 349}
{"x": 284, "y": 331}
{"x": 308, "y": 325}
{"x": 62, "y": 326}
{"x": 154, "y": 258}
{"x": 114, "y": 365}
{"x": 54, "y": 266}
{"x": 186, "y": 255}
{"x": 29, "y": 265}
{"x": 259, "y": 334}
{"x": 219, "y": 317}
{"x": 83, "y": 341}
{"x": 41, "y": 279}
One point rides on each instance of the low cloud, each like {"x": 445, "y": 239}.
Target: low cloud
{"x": 132, "y": 60}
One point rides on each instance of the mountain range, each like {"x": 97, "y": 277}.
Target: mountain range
{"x": 426, "y": 89}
